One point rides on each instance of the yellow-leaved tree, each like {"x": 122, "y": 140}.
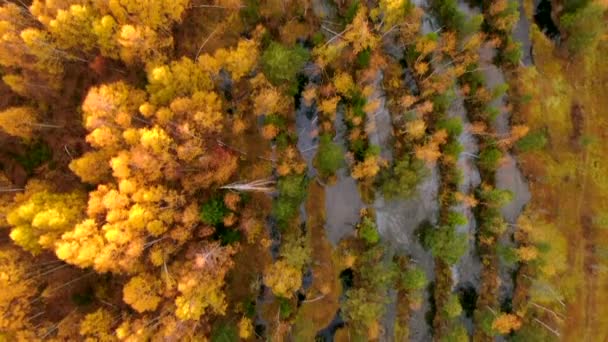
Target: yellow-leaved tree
{"x": 141, "y": 292}
{"x": 19, "y": 121}
{"x": 41, "y": 217}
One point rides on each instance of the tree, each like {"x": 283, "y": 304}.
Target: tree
{"x": 330, "y": 156}
{"x": 413, "y": 279}
{"x": 363, "y": 308}
{"x": 584, "y": 27}
{"x": 358, "y": 33}
{"x": 200, "y": 285}
{"x": 403, "y": 179}
{"x": 92, "y": 167}
{"x": 368, "y": 231}
{"x": 281, "y": 64}
{"x": 17, "y": 289}
{"x": 445, "y": 243}
{"x": 178, "y": 79}
{"x": 141, "y": 292}
{"x": 452, "y": 308}
{"x": 156, "y": 14}
{"x": 505, "y": 323}
{"x": 19, "y": 121}
{"x": 97, "y": 326}
{"x": 489, "y": 158}
{"x": 41, "y": 217}
{"x": 73, "y": 27}
{"x": 283, "y": 279}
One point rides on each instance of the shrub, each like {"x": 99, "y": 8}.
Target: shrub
{"x": 281, "y": 64}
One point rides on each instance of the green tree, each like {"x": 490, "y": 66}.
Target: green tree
{"x": 213, "y": 212}
{"x": 330, "y": 156}
{"x": 584, "y": 27}
{"x": 403, "y": 179}
{"x": 368, "y": 231}
{"x": 452, "y": 307}
{"x": 489, "y": 159}
{"x": 413, "y": 279}
{"x": 282, "y": 64}
{"x": 445, "y": 243}
{"x": 532, "y": 141}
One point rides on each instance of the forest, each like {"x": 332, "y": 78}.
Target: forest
{"x": 303, "y": 170}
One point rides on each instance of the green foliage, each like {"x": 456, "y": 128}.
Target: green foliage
{"x": 225, "y": 332}
{"x": 495, "y": 198}
{"x": 367, "y": 231}
{"x": 456, "y": 333}
{"x": 228, "y": 236}
{"x": 363, "y": 58}
{"x": 35, "y": 155}
{"x": 489, "y": 159}
{"x": 330, "y": 156}
{"x": 512, "y": 53}
{"x": 250, "y": 14}
{"x": 362, "y": 308}
{"x": 351, "y": 12}
{"x": 213, "y": 212}
{"x": 573, "y": 5}
{"x": 452, "y": 125}
{"x": 452, "y": 308}
{"x": 585, "y": 27}
{"x": 413, "y": 279}
{"x": 507, "y": 255}
{"x": 444, "y": 243}
{"x": 282, "y": 64}
{"x": 533, "y": 141}
{"x": 449, "y": 14}
{"x": 452, "y": 148}
{"x": 285, "y": 308}
{"x": 403, "y": 178}
{"x": 455, "y": 219}
{"x": 295, "y": 249}
{"x": 500, "y": 90}
{"x": 485, "y": 318}
{"x": 292, "y": 191}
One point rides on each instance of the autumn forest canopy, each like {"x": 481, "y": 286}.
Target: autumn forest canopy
{"x": 303, "y": 170}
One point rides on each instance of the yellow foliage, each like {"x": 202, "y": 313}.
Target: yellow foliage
{"x": 96, "y": 326}
{"x": 344, "y": 83}
{"x": 358, "y": 33}
{"x": 18, "y": 121}
{"x": 283, "y": 279}
{"x": 416, "y": 129}
{"x": 141, "y": 292}
{"x": 505, "y": 323}
{"x": 40, "y": 219}
{"x": 369, "y": 168}
{"x": 246, "y": 329}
